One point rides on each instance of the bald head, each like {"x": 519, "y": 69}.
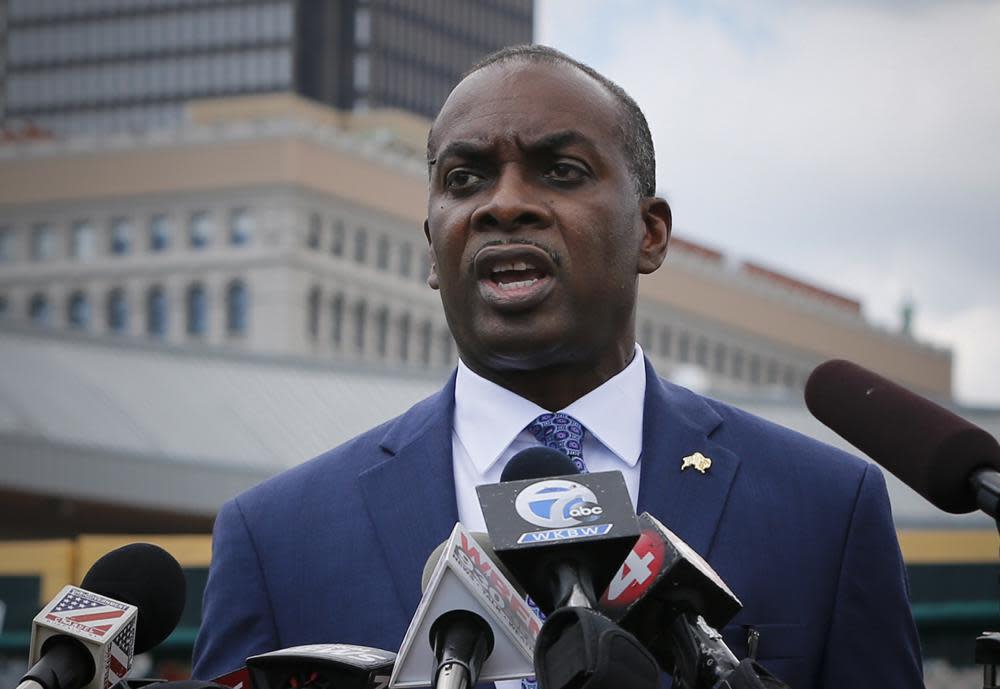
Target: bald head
{"x": 633, "y": 131}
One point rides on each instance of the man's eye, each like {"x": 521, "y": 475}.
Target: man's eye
{"x": 460, "y": 179}
{"x": 567, "y": 172}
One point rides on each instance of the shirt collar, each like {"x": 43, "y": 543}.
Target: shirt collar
{"x": 489, "y": 417}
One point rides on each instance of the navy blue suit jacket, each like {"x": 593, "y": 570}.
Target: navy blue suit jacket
{"x": 332, "y": 550}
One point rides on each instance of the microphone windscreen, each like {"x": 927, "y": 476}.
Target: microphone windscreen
{"x": 148, "y": 577}
{"x": 928, "y": 447}
{"x": 537, "y": 462}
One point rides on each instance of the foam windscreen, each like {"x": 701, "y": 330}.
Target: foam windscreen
{"x": 928, "y": 447}
{"x": 148, "y": 577}
{"x": 537, "y": 462}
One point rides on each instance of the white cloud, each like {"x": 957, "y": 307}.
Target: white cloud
{"x": 854, "y": 144}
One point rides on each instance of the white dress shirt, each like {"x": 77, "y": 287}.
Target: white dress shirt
{"x": 490, "y": 427}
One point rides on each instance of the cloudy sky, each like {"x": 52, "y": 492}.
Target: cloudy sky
{"x": 853, "y": 143}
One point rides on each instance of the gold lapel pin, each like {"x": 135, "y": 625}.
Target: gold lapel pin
{"x": 698, "y": 461}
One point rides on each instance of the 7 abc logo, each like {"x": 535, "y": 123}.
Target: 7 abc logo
{"x": 558, "y": 503}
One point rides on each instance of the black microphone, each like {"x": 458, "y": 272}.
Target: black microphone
{"x": 560, "y": 532}
{"x": 949, "y": 461}
{"x": 130, "y": 600}
{"x": 319, "y": 666}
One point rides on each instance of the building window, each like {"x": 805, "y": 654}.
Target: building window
{"x": 82, "y": 240}
{"x": 382, "y": 253}
{"x": 337, "y": 238}
{"x": 382, "y": 332}
{"x": 362, "y": 27}
{"x": 38, "y": 309}
{"x": 736, "y": 368}
{"x": 156, "y": 311}
{"x": 237, "y": 304}
{"x": 360, "y": 321}
{"x": 404, "y": 337}
{"x": 646, "y": 338}
{"x": 313, "y": 235}
{"x": 446, "y": 344}
{"x": 199, "y": 230}
{"x": 312, "y": 312}
{"x": 121, "y": 236}
{"x": 78, "y": 310}
{"x": 117, "y": 310}
{"x": 6, "y": 244}
{"x": 240, "y": 227}
{"x": 684, "y": 347}
{"x": 701, "y": 352}
{"x": 360, "y": 245}
{"x": 754, "y": 369}
{"x": 159, "y": 233}
{"x": 405, "y": 259}
{"x": 197, "y": 310}
{"x": 41, "y": 243}
{"x": 425, "y": 342}
{"x": 720, "y": 358}
{"x": 337, "y": 320}
{"x": 665, "y": 341}
{"x": 4, "y": 307}
{"x": 772, "y": 372}
{"x": 789, "y": 377}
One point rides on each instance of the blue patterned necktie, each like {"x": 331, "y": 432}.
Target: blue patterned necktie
{"x": 561, "y": 432}
{"x": 564, "y": 433}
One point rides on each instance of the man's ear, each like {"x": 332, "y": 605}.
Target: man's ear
{"x": 432, "y": 277}
{"x": 657, "y": 221}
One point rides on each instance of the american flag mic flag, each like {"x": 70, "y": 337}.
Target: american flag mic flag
{"x": 95, "y": 613}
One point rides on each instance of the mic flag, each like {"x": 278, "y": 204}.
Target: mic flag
{"x": 663, "y": 567}
{"x": 104, "y": 626}
{"x": 536, "y": 524}
{"x": 322, "y": 666}
{"x": 465, "y": 578}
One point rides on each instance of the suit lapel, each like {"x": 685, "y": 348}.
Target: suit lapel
{"x": 411, "y": 495}
{"x": 676, "y": 424}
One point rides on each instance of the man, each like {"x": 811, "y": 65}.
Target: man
{"x": 541, "y": 216}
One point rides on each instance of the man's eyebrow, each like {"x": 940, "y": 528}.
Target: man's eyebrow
{"x": 557, "y": 140}
{"x": 459, "y": 149}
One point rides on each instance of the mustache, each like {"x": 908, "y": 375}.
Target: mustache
{"x": 516, "y": 241}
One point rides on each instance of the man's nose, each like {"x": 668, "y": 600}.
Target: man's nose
{"x": 514, "y": 203}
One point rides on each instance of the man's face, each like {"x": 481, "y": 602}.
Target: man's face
{"x": 536, "y": 231}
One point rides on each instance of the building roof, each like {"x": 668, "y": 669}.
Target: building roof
{"x": 182, "y": 429}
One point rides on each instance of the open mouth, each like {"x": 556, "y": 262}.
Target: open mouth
{"x": 518, "y": 276}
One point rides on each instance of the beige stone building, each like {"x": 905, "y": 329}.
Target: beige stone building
{"x": 271, "y": 225}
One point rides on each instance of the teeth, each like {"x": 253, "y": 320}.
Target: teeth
{"x": 516, "y": 285}
{"x": 512, "y": 265}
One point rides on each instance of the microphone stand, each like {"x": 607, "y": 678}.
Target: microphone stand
{"x": 985, "y": 483}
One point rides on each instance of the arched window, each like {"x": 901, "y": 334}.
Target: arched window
{"x": 360, "y": 320}
{"x": 156, "y": 311}
{"x": 337, "y": 238}
{"x": 81, "y": 243}
{"x": 425, "y": 342}
{"x": 684, "y": 347}
{"x": 404, "y": 337}
{"x": 240, "y": 227}
{"x": 38, "y": 309}
{"x": 120, "y": 238}
{"x": 446, "y": 344}
{"x": 159, "y": 232}
{"x": 665, "y": 341}
{"x": 197, "y": 309}
{"x": 117, "y": 310}
{"x": 382, "y": 331}
{"x": 360, "y": 245}
{"x": 312, "y": 312}
{"x": 405, "y": 259}
{"x": 199, "y": 230}
{"x": 313, "y": 234}
{"x": 382, "y": 253}
{"x": 237, "y": 303}
{"x": 78, "y": 310}
{"x": 337, "y": 320}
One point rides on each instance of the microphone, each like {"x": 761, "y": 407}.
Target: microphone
{"x": 560, "y": 532}
{"x": 471, "y": 624}
{"x": 951, "y": 462}
{"x": 321, "y": 666}
{"x": 85, "y": 638}
{"x": 673, "y": 601}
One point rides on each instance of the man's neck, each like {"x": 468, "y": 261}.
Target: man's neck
{"x": 557, "y": 386}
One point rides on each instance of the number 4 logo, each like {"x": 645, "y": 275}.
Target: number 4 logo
{"x": 638, "y": 571}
